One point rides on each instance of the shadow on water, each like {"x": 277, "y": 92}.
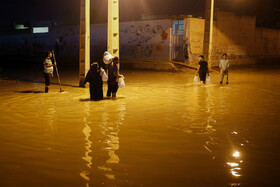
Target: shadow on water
{"x": 111, "y": 98}
{"x": 39, "y": 81}
{"x": 88, "y": 100}
{"x": 30, "y": 91}
{"x": 105, "y": 98}
{"x": 85, "y": 100}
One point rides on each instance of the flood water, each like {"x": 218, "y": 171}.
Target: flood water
{"x": 162, "y": 130}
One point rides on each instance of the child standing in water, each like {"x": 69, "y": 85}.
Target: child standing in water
{"x": 48, "y": 70}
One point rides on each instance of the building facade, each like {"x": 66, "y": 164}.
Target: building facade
{"x": 154, "y": 41}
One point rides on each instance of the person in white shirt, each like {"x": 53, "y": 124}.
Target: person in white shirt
{"x": 48, "y": 71}
{"x": 224, "y": 66}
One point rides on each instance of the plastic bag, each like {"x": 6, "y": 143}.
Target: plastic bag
{"x": 104, "y": 75}
{"x": 195, "y": 79}
{"x": 107, "y": 57}
{"x": 208, "y": 78}
{"x": 121, "y": 82}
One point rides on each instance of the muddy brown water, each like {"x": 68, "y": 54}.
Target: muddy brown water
{"x": 162, "y": 130}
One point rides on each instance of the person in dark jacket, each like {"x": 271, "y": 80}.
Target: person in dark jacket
{"x": 113, "y": 75}
{"x": 94, "y": 77}
{"x": 202, "y": 69}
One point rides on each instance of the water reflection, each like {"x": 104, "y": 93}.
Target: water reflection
{"x": 210, "y": 121}
{"x": 51, "y": 127}
{"x": 187, "y": 134}
{"x": 111, "y": 129}
{"x": 204, "y": 102}
{"x": 236, "y": 154}
{"x": 106, "y": 135}
{"x": 235, "y": 161}
{"x": 86, "y": 131}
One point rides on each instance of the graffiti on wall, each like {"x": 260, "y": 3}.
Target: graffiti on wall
{"x": 196, "y": 46}
{"x": 144, "y": 39}
{"x": 233, "y": 51}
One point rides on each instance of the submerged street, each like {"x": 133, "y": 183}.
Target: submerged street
{"x": 162, "y": 130}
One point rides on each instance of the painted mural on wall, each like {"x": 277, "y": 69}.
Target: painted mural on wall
{"x": 145, "y": 39}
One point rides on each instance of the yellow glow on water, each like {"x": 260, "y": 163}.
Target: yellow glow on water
{"x": 235, "y": 167}
{"x": 235, "y": 173}
{"x": 232, "y": 164}
{"x": 236, "y": 154}
{"x": 109, "y": 176}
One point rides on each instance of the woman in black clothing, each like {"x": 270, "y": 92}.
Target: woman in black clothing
{"x": 94, "y": 77}
{"x": 202, "y": 69}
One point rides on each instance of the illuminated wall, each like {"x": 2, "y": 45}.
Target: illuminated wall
{"x": 194, "y": 35}
{"x": 234, "y": 35}
{"x": 145, "y": 40}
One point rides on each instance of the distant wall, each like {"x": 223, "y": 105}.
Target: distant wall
{"x": 234, "y": 35}
{"x": 20, "y": 44}
{"x": 145, "y": 40}
{"x": 150, "y": 40}
{"x": 268, "y": 42}
{"x": 65, "y": 40}
{"x": 139, "y": 40}
{"x": 194, "y": 35}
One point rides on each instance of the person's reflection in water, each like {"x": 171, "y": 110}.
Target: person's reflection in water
{"x": 107, "y": 130}
{"x": 203, "y": 116}
{"x": 210, "y": 121}
{"x": 111, "y": 126}
{"x": 86, "y": 131}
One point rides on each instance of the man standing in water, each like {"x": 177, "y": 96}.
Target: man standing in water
{"x": 48, "y": 71}
{"x": 224, "y": 66}
{"x": 113, "y": 75}
{"x": 202, "y": 69}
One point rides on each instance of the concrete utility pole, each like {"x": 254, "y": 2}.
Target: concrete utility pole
{"x": 113, "y": 27}
{"x": 208, "y": 33}
{"x": 84, "y": 56}
{"x": 211, "y": 34}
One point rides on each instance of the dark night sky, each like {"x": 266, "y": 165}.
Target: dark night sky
{"x": 16, "y": 11}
